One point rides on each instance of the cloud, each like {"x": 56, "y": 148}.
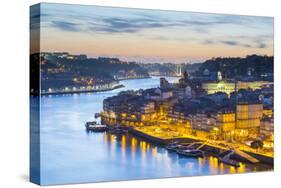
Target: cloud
{"x": 247, "y": 46}
{"x": 202, "y": 27}
{"x": 252, "y": 44}
{"x": 122, "y": 20}
{"x": 132, "y": 23}
{"x": 208, "y": 42}
{"x": 230, "y": 43}
{"x": 261, "y": 45}
{"x": 121, "y": 25}
{"x": 66, "y": 26}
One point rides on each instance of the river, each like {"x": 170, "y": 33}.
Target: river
{"x": 71, "y": 155}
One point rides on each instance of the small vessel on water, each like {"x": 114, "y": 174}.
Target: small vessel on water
{"x": 95, "y": 127}
{"x": 224, "y": 157}
{"x": 229, "y": 162}
{"x": 97, "y": 115}
{"x": 175, "y": 147}
{"x": 191, "y": 153}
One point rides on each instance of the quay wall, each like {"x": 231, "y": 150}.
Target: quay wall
{"x": 147, "y": 137}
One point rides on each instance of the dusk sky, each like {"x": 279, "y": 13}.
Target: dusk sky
{"x": 151, "y": 35}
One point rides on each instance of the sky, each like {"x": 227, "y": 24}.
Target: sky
{"x": 149, "y": 35}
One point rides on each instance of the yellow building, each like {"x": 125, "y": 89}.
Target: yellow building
{"x": 267, "y": 112}
{"x": 220, "y": 86}
{"x": 252, "y": 85}
{"x": 226, "y": 121}
{"x": 248, "y": 119}
{"x": 229, "y": 87}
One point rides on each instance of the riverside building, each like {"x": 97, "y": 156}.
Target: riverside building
{"x": 215, "y": 116}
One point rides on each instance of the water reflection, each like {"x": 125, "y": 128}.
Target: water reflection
{"x": 131, "y": 146}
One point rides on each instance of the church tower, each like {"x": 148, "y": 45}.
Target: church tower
{"x": 219, "y": 76}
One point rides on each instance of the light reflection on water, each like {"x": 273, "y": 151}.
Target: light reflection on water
{"x": 153, "y": 154}
{"x": 71, "y": 155}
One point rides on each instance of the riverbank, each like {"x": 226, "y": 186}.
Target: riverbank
{"x": 211, "y": 149}
{"x": 117, "y": 86}
{"x": 134, "y": 78}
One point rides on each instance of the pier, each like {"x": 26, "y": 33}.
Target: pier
{"x": 245, "y": 156}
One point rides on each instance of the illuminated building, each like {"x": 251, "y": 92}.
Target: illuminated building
{"x": 248, "y": 119}
{"x": 267, "y": 127}
{"x": 148, "y": 107}
{"x": 226, "y": 123}
{"x": 251, "y": 84}
{"x": 203, "y": 124}
{"x": 267, "y": 112}
{"x": 229, "y": 87}
{"x": 218, "y": 86}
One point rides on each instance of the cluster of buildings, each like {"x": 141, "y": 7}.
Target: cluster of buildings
{"x": 65, "y": 55}
{"x": 235, "y": 111}
{"x": 62, "y": 72}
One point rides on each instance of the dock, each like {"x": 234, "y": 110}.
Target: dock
{"x": 214, "y": 150}
{"x": 245, "y": 156}
{"x": 225, "y": 157}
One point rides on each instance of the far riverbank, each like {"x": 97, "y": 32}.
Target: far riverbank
{"x": 134, "y": 78}
{"x": 99, "y": 89}
{"x": 60, "y": 92}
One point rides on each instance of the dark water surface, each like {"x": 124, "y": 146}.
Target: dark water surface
{"x": 71, "y": 155}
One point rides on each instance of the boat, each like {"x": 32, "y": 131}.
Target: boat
{"x": 175, "y": 147}
{"x": 97, "y": 115}
{"x": 93, "y": 126}
{"x": 88, "y": 123}
{"x": 191, "y": 153}
{"x": 224, "y": 157}
{"x": 229, "y": 162}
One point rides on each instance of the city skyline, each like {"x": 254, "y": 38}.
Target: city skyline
{"x": 151, "y": 36}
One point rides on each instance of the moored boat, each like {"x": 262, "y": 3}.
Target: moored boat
{"x": 229, "y": 162}
{"x": 93, "y": 126}
{"x": 175, "y": 147}
{"x": 191, "y": 153}
{"x": 97, "y": 115}
{"x": 90, "y": 123}
{"x": 224, "y": 157}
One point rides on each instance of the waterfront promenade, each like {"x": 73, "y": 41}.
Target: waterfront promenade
{"x": 155, "y": 134}
{"x": 70, "y": 90}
